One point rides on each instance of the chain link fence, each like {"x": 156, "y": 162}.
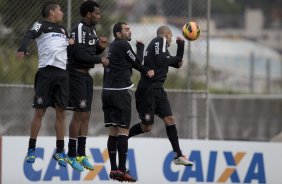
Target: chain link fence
{"x": 144, "y": 17}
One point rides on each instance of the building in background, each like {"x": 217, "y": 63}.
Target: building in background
{"x": 253, "y": 28}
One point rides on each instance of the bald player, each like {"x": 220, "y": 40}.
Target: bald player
{"x": 151, "y": 98}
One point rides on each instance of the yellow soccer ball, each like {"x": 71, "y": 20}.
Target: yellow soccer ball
{"x": 191, "y": 31}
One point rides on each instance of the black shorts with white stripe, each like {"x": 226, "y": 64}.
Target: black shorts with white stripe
{"x": 117, "y": 108}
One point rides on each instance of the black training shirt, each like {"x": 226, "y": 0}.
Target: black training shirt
{"x": 121, "y": 61}
{"x": 84, "y": 52}
{"x": 158, "y": 58}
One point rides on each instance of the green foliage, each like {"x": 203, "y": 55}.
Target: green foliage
{"x": 16, "y": 71}
{"x": 223, "y": 91}
{"x": 107, "y": 8}
{"x": 20, "y": 19}
{"x": 176, "y": 81}
{"x": 98, "y": 79}
{"x": 226, "y": 7}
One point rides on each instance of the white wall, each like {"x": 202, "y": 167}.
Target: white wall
{"x": 150, "y": 160}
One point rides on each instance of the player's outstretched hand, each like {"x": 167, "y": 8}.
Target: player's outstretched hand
{"x": 150, "y": 73}
{"x": 103, "y": 42}
{"x": 71, "y": 41}
{"x": 20, "y": 54}
{"x": 139, "y": 42}
{"x": 104, "y": 61}
{"x": 179, "y": 40}
{"x": 180, "y": 64}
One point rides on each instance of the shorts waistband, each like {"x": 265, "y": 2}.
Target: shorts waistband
{"x": 51, "y": 67}
{"x": 81, "y": 70}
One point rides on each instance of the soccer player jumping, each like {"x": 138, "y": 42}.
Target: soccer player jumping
{"x": 82, "y": 56}
{"x": 116, "y": 97}
{"x": 151, "y": 98}
{"x": 52, "y": 80}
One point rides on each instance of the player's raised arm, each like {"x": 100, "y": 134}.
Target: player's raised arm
{"x": 140, "y": 50}
{"x": 31, "y": 34}
{"x": 161, "y": 43}
{"x": 180, "y": 47}
{"x": 180, "y": 52}
{"x": 102, "y": 44}
{"x": 135, "y": 62}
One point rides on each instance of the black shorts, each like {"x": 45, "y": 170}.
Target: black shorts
{"x": 117, "y": 108}
{"x": 51, "y": 87}
{"x": 150, "y": 101}
{"x": 81, "y": 91}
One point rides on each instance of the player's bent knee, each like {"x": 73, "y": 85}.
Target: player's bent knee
{"x": 146, "y": 127}
{"x": 169, "y": 120}
{"x": 113, "y": 131}
{"x": 123, "y": 131}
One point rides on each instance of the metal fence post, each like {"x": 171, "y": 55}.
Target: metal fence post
{"x": 252, "y": 72}
{"x": 268, "y": 76}
{"x": 207, "y": 71}
{"x": 69, "y": 16}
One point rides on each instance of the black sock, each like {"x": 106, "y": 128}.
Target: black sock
{"x": 122, "y": 147}
{"x": 81, "y": 144}
{"x": 72, "y": 147}
{"x": 60, "y": 144}
{"x": 135, "y": 130}
{"x": 173, "y": 138}
{"x": 112, "y": 149}
{"x": 31, "y": 143}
